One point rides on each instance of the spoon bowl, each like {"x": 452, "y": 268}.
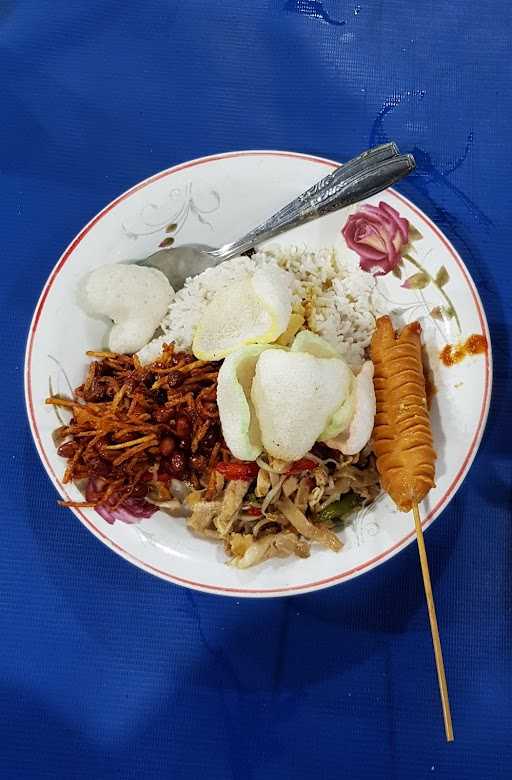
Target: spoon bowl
{"x": 178, "y": 263}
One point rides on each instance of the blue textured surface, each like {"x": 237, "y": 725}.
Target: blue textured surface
{"x": 106, "y": 672}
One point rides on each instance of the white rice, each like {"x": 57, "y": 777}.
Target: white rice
{"x": 341, "y": 301}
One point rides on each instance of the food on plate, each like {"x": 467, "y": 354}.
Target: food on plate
{"x": 271, "y": 508}
{"x": 295, "y": 323}
{"x": 402, "y": 437}
{"x": 340, "y": 420}
{"x": 307, "y": 341}
{"x": 331, "y": 296}
{"x": 135, "y": 298}
{"x": 254, "y": 310}
{"x": 294, "y": 396}
{"x": 133, "y": 429}
{"x": 148, "y": 437}
{"x": 353, "y": 433}
{"x": 251, "y": 415}
{"x": 282, "y": 411}
{"x": 240, "y": 425}
{"x": 451, "y": 354}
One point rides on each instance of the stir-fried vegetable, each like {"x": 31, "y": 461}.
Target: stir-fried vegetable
{"x": 339, "y": 510}
{"x": 304, "y": 464}
{"x": 306, "y": 528}
{"x": 286, "y": 507}
{"x": 249, "y": 552}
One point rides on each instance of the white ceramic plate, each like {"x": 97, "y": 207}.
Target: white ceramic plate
{"x": 213, "y": 200}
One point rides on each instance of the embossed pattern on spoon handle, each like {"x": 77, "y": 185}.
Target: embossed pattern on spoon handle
{"x": 338, "y": 176}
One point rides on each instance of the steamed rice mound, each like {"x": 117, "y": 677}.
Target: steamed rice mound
{"x": 337, "y": 299}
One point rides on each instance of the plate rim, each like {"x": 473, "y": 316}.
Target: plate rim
{"x": 291, "y": 590}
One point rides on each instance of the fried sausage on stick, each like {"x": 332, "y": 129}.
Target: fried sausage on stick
{"x": 402, "y": 438}
{"x": 402, "y": 442}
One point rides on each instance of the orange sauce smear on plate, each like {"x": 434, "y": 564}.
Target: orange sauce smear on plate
{"x": 455, "y": 353}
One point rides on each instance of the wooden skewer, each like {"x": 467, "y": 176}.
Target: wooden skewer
{"x": 436, "y": 641}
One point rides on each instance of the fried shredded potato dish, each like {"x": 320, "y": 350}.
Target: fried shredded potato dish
{"x": 134, "y": 428}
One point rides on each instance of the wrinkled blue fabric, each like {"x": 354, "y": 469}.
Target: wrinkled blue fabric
{"x": 107, "y": 672}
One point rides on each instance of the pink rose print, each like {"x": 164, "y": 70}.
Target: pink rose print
{"x": 379, "y": 235}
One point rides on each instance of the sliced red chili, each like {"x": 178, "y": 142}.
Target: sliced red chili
{"x": 238, "y": 470}
{"x": 304, "y": 464}
{"x": 253, "y": 511}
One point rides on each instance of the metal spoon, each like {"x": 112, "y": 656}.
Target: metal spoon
{"x": 363, "y": 176}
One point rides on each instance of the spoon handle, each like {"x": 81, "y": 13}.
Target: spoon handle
{"x": 338, "y": 177}
{"x": 362, "y": 177}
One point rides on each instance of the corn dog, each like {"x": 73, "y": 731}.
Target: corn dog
{"x": 402, "y": 438}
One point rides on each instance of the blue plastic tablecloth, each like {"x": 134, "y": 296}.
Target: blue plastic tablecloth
{"x": 106, "y": 672}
